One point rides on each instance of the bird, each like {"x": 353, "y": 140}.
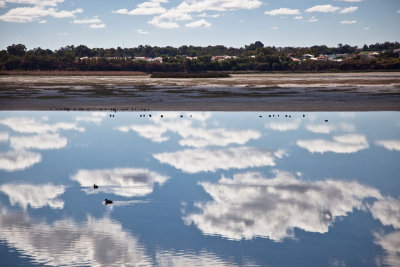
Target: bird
{"x": 326, "y": 120}
{"x": 95, "y": 186}
{"x": 107, "y": 201}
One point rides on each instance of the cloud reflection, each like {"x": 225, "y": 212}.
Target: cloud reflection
{"x": 199, "y": 160}
{"x": 184, "y": 259}
{"x": 350, "y": 143}
{"x": 3, "y": 136}
{"x": 127, "y": 182}
{"x": 387, "y": 211}
{"x": 94, "y": 242}
{"x": 42, "y": 141}
{"x": 328, "y": 128}
{"x": 94, "y": 117}
{"x": 391, "y": 244}
{"x": 31, "y": 125}
{"x": 36, "y": 196}
{"x": 18, "y": 160}
{"x": 194, "y": 136}
{"x": 250, "y": 205}
{"x": 284, "y": 126}
{"x": 389, "y": 144}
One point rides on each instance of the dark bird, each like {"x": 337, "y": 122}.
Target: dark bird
{"x": 162, "y": 116}
{"x": 95, "y": 186}
{"x": 326, "y": 120}
{"x": 107, "y": 201}
{"x": 181, "y": 116}
{"x": 304, "y": 115}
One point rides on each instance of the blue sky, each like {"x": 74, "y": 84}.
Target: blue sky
{"x": 129, "y": 23}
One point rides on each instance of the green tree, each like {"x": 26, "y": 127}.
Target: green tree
{"x": 16, "y": 50}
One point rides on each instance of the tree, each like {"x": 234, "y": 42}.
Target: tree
{"x": 16, "y": 50}
{"x": 254, "y": 46}
{"x": 82, "y": 51}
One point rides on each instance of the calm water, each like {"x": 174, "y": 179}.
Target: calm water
{"x": 205, "y": 189}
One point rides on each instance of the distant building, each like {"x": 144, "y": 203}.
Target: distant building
{"x": 308, "y": 56}
{"x": 156, "y": 59}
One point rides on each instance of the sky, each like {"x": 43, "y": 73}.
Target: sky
{"x": 234, "y": 23}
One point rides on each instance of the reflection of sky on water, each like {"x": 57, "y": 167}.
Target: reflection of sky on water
{"x": 127, "y": 182}
{"x": 198, "y": 160}
{"x": 200, "y": 189}
{"x": 36, "y": 196}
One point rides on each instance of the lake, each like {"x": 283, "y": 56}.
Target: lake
{"x": 199, "y": 188}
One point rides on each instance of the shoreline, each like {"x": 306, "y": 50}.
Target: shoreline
{"x": 376, "y": 91}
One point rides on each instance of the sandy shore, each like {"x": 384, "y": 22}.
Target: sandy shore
{"x": 242, "y": 92}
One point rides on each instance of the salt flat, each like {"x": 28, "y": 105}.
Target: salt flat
{"x": 260, "y": 91}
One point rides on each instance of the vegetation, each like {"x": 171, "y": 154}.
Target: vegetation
{"x": 253, "y": 57}
{"x": 190, "y": 75}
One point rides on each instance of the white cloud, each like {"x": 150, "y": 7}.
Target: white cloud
{"x": 30, "y": 125}
{"x": 389, "y": 144}
{"x": 36, "y": 196}
{"x": 350, "y": 143}
{"x": 36, "y": 2}
{"x": 387, "y": 211}
{"x": 2, "y": 4}
{"x": 282, "y": 11}
{"x": 250, "y": 205}
{"x": 42, "y": 141}
{"x": 29, "y": 14}
{"x": 348, "y": 10}
{"x": 198, "y": 23}
{"x": 42, "y": 21}
{"x": 4, "y": 136}
{"x": 328, "y": 128}
{"x": 140, "y": 31}
{"x": 156, "y": 21}
{"x": 274, "y": 28}
{"x": 205, "y": 15}
{"x": 398, "y": 11}
{"x": 348, "y": 22}
{"x": 202, "y": 160}
{"x": 92, "y": 242}
{"x": 283, "y": 126}
{"x": 351, "y": 1}
{"x": 146, "y": 8}
{"x": 323, "y": 9}
{"x": 298, "y": 17}
{"x": 168, "y": 18}
{"x": 127, "y": 182}
{"x": 97, "y": 26}
{"x": 313, "y": 19}
{"x": 366, "y": 28}
{"x": 87, "y": 20}
{"x": 18, "y": 160}
{"x": 391, "y": 244}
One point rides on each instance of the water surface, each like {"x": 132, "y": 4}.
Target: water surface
{"x": 200, "y": 189}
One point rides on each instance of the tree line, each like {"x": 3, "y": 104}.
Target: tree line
{"x": 252, "y": 57}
